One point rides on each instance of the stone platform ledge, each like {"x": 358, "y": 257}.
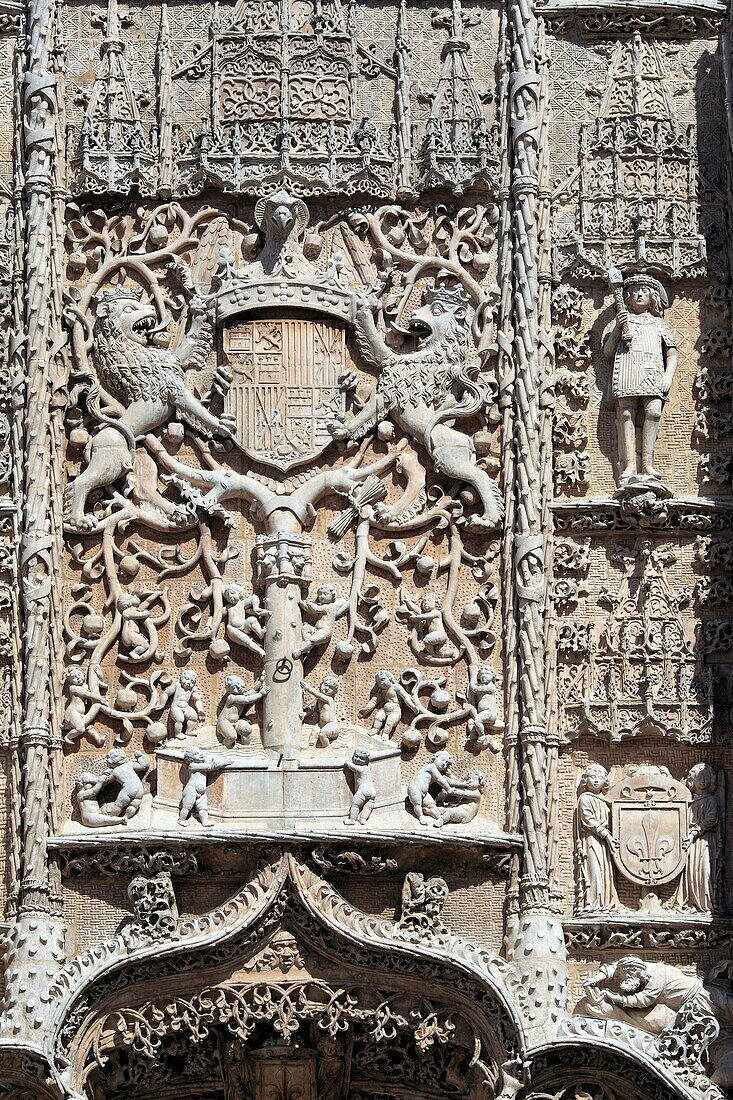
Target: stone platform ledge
{"x": 259, "y": 786}
{"x": 655, "y": 917}
{"x": 661, "y": 7}
{"x": 655, "y": 931}
{"x": 81, "y": 838}
{"x": 693, "y": 515}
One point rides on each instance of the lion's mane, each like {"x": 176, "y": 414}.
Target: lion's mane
{"x": 130, "y": 371}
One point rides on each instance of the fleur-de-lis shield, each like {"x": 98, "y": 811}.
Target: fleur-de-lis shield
{"x": 649, "y": 816}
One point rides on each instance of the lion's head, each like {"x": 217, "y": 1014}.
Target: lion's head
{"x": 128, "y": 363}
{"x": 121, "y": 314}
{"x": 441, "y": 319}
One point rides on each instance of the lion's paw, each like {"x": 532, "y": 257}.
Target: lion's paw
{"x": 482, "y": 523}
{"x": 339, "y": 432}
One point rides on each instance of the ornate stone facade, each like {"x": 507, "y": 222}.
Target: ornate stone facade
{"x": 366, "y": 530}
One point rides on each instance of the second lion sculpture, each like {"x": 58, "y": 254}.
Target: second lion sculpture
{"x": 422, "y": 389}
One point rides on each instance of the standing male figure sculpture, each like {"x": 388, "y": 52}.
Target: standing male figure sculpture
{"x": 644, "y": 354}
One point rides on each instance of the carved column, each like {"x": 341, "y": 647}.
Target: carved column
{"x": 283, "y": 572}
{"x": 538, "y": 935}
{"x": 36, "y": 941}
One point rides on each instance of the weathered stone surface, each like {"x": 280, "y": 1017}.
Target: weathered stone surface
{"x": 365, "y": 536}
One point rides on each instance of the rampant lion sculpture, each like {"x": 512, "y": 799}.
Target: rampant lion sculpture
{"x": 420, "y": 390}
{"x": 148, "y": 383}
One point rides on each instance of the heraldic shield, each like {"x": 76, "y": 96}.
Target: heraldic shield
{"x": 285, "y": 386}
{"x": 649, "y": 816}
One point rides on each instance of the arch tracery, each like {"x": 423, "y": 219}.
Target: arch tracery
{"x": 286, "y": 954}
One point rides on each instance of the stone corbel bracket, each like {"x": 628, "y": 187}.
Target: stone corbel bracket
{"x": 693, "y": 515}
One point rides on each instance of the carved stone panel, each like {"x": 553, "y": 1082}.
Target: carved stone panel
{"x": 285, "y": 387}
{"x": 366, "y": 538}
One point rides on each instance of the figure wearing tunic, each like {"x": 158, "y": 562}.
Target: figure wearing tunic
{"x": 696, "y": 889}
{"x": 638, "y": 367}
{"x": 595, "y": 861}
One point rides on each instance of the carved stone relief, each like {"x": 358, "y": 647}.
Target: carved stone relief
{"x": 286, "y": 389}
{"x": 640, "y": 671}
{"x": 365, "y": 539}
{"x": 652, "y": 830}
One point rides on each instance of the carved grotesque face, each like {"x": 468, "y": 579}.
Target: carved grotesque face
{"x": 437, "y": 317}
{"x": 135, "y": 320}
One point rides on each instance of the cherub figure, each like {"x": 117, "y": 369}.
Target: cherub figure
{"x": 194, "y": 799}
{"x": 358, "y": 770}
{"x": 78, "y": 718}
{"x": 129, "y": 774}
{"x": 86, "y": 794}
{"x": 246, "y": 619}
{"x": 643, "y": 349}
{"x": 466, "y": 794}
{"x": 186, "y": 703}
{"x": 325, "y": 609}
{"x": 436, "y": 772}
{"x": 481, "y": 698}
{"x": 386, "y": 704}
{"x": 232, "y": 727}
{"x": 325, "y": 696}
{"x": 427, "y": 621}
{"x": 139, "y": 630}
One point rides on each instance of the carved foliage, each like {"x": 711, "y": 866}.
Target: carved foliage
{"x": 639, "y": 671}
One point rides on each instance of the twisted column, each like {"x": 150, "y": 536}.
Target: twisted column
{"x": 535, "y": 940}
{"x": 36, "y": 943}
{"x": 505, "y": 341}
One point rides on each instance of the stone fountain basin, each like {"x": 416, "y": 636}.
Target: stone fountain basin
{"x": 258, "y": 785}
